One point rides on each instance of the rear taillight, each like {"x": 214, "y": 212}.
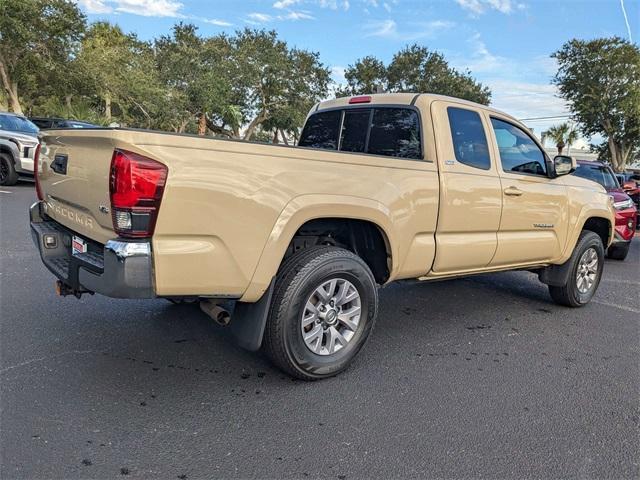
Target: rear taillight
{"x": 136, "y": 184}
{"x": 36, "y": 167}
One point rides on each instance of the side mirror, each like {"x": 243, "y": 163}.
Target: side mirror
{"x": 563, "y": 165}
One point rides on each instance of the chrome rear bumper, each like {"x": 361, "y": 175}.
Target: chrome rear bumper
{"x": 119, "y": 269}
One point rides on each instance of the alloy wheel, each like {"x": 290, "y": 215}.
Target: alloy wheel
{"x": 331, "y": 316}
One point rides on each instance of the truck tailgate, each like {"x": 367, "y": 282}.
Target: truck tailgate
{"x": 74, "y": 179}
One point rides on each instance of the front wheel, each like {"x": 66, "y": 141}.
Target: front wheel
{"x": 324, "y": 306}
{"x": 8, "y": 174}
{"x": 585, "y": 271}
{"x": 618, "y": 251}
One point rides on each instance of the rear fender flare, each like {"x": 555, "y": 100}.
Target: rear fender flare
{"x": 304, "y": 208}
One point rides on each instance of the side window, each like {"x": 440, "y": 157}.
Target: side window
{"x": 469, "y": 140}
{"x": 354, "y": 130}
{"x": 518, "y": 152}
{"x": 395, "y": 132}
{"x": 321, "y": 130}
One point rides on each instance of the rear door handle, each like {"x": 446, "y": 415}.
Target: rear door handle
{"x": 513, "y": 191}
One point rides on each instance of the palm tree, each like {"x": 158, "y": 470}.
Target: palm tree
{"x": 572, "y": 136}
{"x": 563, "y": 135}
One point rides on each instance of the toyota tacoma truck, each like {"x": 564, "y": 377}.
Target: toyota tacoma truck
{"x": 291, "y": 243}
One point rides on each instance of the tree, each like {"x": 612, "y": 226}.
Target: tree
{"x": 37, "y": 38}
{"x": 367, "y": 75}
{"x": 196, "y": 71}
{"x": 274, "y": 83}
{"x": 414, "y": 69}
{"x": 600, "y": 79}
{"x": 562, "y": 135}
{"x": 122, "y": 71}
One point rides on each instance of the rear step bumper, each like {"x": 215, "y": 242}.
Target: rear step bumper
{"x": 119, "y": 269}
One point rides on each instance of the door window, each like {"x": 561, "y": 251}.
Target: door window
{"x": 518, "y": 152}
{"x": 468, "y": 137}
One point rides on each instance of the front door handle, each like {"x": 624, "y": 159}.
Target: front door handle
{"x": 513, "y": 191}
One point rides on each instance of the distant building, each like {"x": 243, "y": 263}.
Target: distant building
{"x": 578, "y": 153}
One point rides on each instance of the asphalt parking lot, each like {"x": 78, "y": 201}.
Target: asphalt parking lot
{"x": 476, "y": 378}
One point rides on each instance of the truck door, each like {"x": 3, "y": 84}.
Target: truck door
{"x": 535, "y": 210}
{"x": 470, "y": 190}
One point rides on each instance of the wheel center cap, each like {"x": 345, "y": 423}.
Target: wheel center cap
{"x": 331, "y": 317}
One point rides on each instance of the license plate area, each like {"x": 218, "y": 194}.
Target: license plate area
{"x": 78, "y": 245}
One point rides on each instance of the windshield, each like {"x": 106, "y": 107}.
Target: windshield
{"x": 17, "y": 124}
{"x": 597, "y": 173}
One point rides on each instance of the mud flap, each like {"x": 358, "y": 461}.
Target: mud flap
{"x": 556, "y": 275}
{"x": 249, "y": 320}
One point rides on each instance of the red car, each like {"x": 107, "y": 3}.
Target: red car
{"x": 626, "y": 212}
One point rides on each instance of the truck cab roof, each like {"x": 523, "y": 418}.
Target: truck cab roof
{"x": 408, "y": 99}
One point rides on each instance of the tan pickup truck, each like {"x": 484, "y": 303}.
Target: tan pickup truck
{"x": 294, "y": 241}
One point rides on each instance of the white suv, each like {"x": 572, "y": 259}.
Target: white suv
{"x": 18, "y": 144}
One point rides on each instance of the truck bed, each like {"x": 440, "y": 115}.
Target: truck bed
{"x": 228, "y": 204}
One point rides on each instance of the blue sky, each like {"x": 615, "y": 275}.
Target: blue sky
{"x": 504, "y": 43}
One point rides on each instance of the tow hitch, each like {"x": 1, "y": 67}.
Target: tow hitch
{"x": 62, "y": 290}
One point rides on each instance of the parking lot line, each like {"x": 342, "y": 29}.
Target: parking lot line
{"x": 614, "y": 305}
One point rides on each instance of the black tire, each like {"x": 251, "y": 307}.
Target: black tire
{"x": 568, "y": 294}
{"x": 8, "y": 174}
{"x": 618, "y": 251}
{"x": 296, "y": 282}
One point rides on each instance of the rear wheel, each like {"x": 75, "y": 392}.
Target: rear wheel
{"x": 324, "y": 306}
{"x": 618, "y": 251}
{"x": 587, "y": 262}
{"x": 8, "y": 174}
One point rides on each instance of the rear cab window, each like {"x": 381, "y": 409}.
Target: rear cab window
{"x": 377, "y": 130}
{"x": 469, "y": 139}
{"x": 321, "y": 130}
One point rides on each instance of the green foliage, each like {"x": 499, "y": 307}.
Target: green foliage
{"x": 600, "y": 79}
{"x": 414, "y": 69}
{"x": 274, "y": 84}
{"x": 250, "y": 84}
{"x": 38, "y": 39}
{"x": 562, "y": 135}
{"x": 367, "y": 75}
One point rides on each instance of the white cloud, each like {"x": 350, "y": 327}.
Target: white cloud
{"x": 145, "y": 8}
{"x": 285, "y": 3}
{"x": 478, "y": 7}
{"x": 413, "y": 31}
{"x": 334, "y": 4}
{"x": 95, "y": 6}
{"x": 482, "y": 60}
{"x": 337, "y": 74}
{"x": 215, "y": 21}
{"x": 150, "y": 8}
{"x": 526, "y": 99}
{"x": 262, "y": 18}
{"x": 385, "y": 28}
{"x": 259, "y": 17}
{"x": 293, "y": 15}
